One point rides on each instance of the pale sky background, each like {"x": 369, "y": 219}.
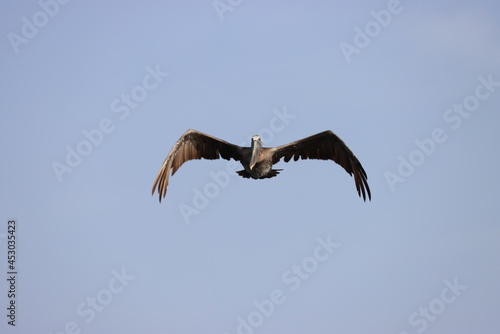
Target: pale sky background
{"x": 421, "y": 257}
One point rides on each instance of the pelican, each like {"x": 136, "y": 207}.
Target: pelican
{"x": 257, "y": 160}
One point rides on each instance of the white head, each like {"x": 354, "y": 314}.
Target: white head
{"x": 256, "y": 150}
{"x": 256, "y": 138}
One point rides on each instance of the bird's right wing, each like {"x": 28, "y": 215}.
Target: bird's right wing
{"x": 193, "y": 145}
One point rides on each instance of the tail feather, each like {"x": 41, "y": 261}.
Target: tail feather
{"x": 243, "y": 173}
{"x": 246, "y": 175}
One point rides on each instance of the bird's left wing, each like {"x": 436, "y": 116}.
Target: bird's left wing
{"x": 326, "y": 146}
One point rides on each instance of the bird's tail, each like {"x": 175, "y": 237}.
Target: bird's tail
{"x": 272, "y": 173}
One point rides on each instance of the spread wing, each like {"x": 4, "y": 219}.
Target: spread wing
{"x": 193, "y": 145}
{"x": 326, "y": 146}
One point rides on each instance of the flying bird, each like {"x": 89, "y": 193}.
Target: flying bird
{"x": 258, "y": 160}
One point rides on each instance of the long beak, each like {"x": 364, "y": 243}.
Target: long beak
{"x": 256, "y": 149}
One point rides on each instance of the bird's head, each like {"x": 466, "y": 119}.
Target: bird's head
{"x": 256, "y": 150}
{"x": 257, "y": 139}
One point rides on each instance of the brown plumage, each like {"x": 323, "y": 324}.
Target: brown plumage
{"x": 257, "y": 160}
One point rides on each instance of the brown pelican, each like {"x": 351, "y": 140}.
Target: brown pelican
{"x": 257, "y": 160}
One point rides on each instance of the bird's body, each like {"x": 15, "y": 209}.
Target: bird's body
{"x": 257, "y": 160}
{"x": 263, "y": 166}
{"x": 261, "y": 170}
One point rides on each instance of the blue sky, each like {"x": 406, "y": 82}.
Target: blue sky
{"x": 94, "y": 95}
